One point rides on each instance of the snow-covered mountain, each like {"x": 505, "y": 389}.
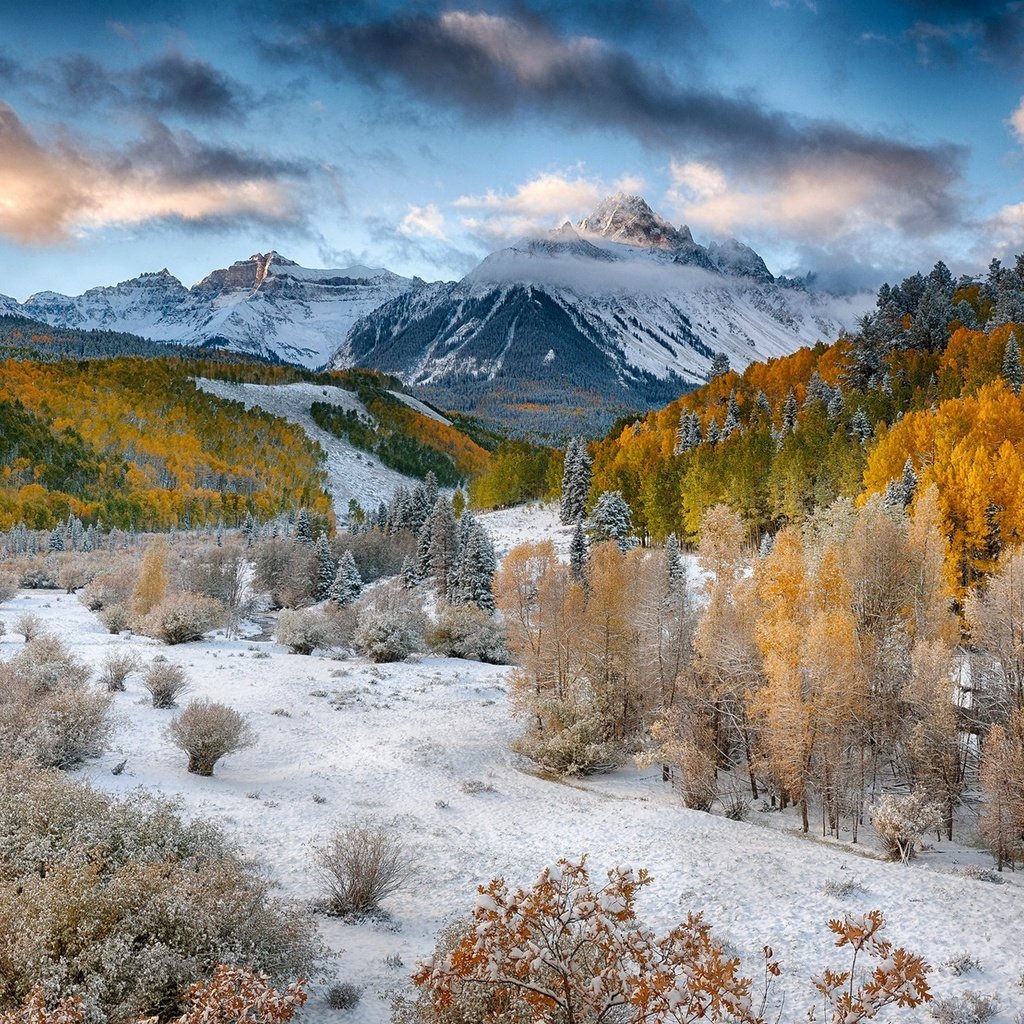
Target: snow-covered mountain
{"x": 266, "y": 304}
{"x": 622, "y": 305}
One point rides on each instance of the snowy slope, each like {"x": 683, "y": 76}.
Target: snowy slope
{"x": 620, "y": 301}
{"x": 351, "y": 473}
{"x": 395, "y": 740}
{"x": 267, "y": 305}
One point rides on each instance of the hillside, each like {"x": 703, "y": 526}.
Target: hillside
{"x": 933, "y": 377}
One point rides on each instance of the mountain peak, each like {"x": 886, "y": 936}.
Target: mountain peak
{"x": 626, "y": 218}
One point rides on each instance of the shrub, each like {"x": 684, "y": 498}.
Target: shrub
{"x": 390, "y": 624}
{"x": 114, "y": 617}
{"x": 575, "y": 748}
{"x": 76, "y": 571}
{"x": 344, "y": 996}
{"x": 208, "y": 731}
{"x": 8, "y": 586}
{"x": 50, "y": 715}
{"x": 182, "y": 618}
{"x": 302, "y": 631}
{"x": 113, "y": 587}
{"x": 29, "y": 625}
{"x": 464, "y": 631}
{"x": 117, "y": 666}
{"x": 166, "y": 682}
{"x": 215, "y": 572}
{"x": 900, "y": 821}
{"x": 969, "y": 1008}
{"x": 361, "y": 864}
{"x": 126, "y": 905}
{"x": 378, "y": 555}
{"x": 3, "y": 628}
{"x": 962, "y": 963}
{"x": 598, "y": 962}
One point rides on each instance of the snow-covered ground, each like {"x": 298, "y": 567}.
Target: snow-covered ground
{"x": 351, "y": 473}
{"x": 427, "y": 743}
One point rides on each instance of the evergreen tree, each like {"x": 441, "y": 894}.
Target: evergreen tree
{"x": 1011, "y": 364}
{"x": 474, "y": 576}
{"x": 789, "y": 410}
{"x": 612, "y": 520}
{"x": 303, "y": 530}
{"x": 900, "y": 493}
{"x": 714, "y": 433}
{"x": 56, "y": 542}
{"x": 732, "y": 417}
{"x": 443, "y": 552}
{"x": 836, "y": 402}
{"x": 578, "y": 553}
{"x": 860, "y": 427}
{"x": 430, "y": 490}
{"x": 817, "y": 390}
{"x": 575, "y": 481}
{"x": 326, "y": 567}
{"x": 676, "y": 570}
{"x": 423, "y": 550}
{"x": 410, "y": 574}
{"x": 719, "y": 366}
{"x": 348, "y": 583}
{"x": 763, "y": 406}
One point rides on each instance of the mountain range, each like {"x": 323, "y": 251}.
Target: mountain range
{"x": 620, "y": 311}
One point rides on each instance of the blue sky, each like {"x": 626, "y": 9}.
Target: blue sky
{"x": 862, "y": 141}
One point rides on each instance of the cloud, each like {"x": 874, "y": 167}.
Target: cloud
{"x": 1017, "y": 121}
{"x": 992, "y": 32}
{"x": 492, "y": 66}
{"x": 537, "y": 205}
{"x": 423, "y": 222}
{"x": 52, "y": 191}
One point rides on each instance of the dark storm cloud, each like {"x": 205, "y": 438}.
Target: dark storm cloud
{"x": 171, "y": 85}
{"x": 490, "y": 67}
{"x": 949, "y": 32}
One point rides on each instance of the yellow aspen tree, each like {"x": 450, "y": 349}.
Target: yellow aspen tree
{"x": 931, "y": 591}
{"x": 151, "y": 585}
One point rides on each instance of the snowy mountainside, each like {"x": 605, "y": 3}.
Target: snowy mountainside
{"x": 351, "y": 473}
{"x": 266, "y": 305}
{"x": 623, "y": 306}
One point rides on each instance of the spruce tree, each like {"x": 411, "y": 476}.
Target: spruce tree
{"x": 1011, "y": 364}
{"x": 578, "y": 553}
{"x": 719, "y": 366}
{"x": 303, "y": 530}
{"x": 410, "y": 574}
{"x": 348, "y": 583}
{"x": 611, "y": 520}
{"x": 473, "y": 578}
{"x": 443, "y": 553}
{"x": 56, "y": 542}
{"x": 575, "y": 481}
{"x": 860, "y": 428}
{"x": 423, "y": 551}
{"x": 789, "y": 410}
{"x": 326, "y": 569}
{"x": 675, "y": 570}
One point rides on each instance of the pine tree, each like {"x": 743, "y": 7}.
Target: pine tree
{"x": 612, "y": 520}
{"x": 860, "y": 428}
{"x": 410, "y": 574}
{"x": 578, "y": 553}
{"x": 423, "y": 551}
{"x": 675, "y": 569}
{"x": 732, "y": 417}
{"x": 303, "y": 530}
{"x": 900, "y": 493}
{"x": 326, "y": 569}
{"x": 56, "y": 542}
{"x": 443, "y": 552}
{"x": 714, "y": 433}
{"x": 575, "y": 481}
{"x": 430, "y": 489}
{"x": 719, "y": 366}
{"x": 789, "y": 410}
{"x": 348, "y": 583}
{"x": 836, "y": 402}
{"x": 473, "y": 578}
{"x": 1012, "y": 373}
{"x": 763, "y": 406}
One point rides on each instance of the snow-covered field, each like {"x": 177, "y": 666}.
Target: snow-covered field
{"x": 339, "y": 738}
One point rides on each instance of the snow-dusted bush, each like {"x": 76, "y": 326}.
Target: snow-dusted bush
{"x": 112, "y": 587}
{"x": 37, "y": 573}
{"x": 969, "y": 1008}
{"x": 8, "y": 586}
{"x": 126, "y": 905}
{"x": 362, "y": 863}
{"x": 115, "y": 617}
{"x": 577, "y": 748}
{"x": 344, "y": 996}
{"x": 961, "y": 963}
{"x": 208, "y": 731}
{"x": 182, "y": 618}
{"x": 117, "y": 666}
{"x": 76, "y": 571}
{"x": 49, "y": 714}
{"x": 901, "y": 821}
{"x": 166, "y": 682}
{"x": 3, "y": 628}
{"x": 390, "y": 624}
{"x": 302, "y": 631}
{"x": 29, "y": 625}
{"x": 465, "y": 631}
